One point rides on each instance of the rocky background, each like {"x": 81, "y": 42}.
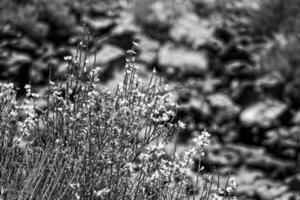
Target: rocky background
{"x": 233, "y": 66}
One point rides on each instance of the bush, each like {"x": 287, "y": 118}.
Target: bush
{"x": 92, "y": 143}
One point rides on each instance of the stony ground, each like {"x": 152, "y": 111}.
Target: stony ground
{"x": 239, "y": 85}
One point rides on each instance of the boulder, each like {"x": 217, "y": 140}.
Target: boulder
{"x": 222, "y": 156}
{"x": 244, "y": 92}
{"x": 206, "y": 85}
{"x": 225, "y": 35}
{"x": 125, "y": 25}
{"x": 58, "y": 15}
{"x": 296, "y": 117}
{"x": 239, "y": 69}
{"x": 269, "y": 189}
{"x": 107, "y": 54}
{"x": 197, "y": 107}
{"x": 291, "y": 92}
{"x": 294, "y": 182}
{"x": 148, "y": 49}
{"x": 191, "y": 30}
{"x": 224, "y": 106}
{"x": 263, "y": 114}
{"x": 275, "y": 167}
{"x": 24, "y": 44}
{"x": 182, "y": 60}
{"x": 156, "y": 13}
{"x": 271, "y": 84}
{"x": 99, "y": 24}
{"x": 19, "y": 58}
{"x": 221, "y": 101}
{"x": 270, "y": 80}
{"x": 38, "y": 32}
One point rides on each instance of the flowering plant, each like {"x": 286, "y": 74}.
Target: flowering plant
{"x": 92, "y": 143}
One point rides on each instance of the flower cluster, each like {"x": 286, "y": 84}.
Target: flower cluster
{"x": 99, "y": 144}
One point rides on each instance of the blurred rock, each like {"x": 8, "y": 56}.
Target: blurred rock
{"x": 283, "y": 142}
{"x": 296, "y": 118}
{"x": 263, "y": 114}
{"x": 108, "y": 58}
{"x": 8, "y": 31}
{"x": 289, "y": 153}
{"x": 41, "y": 103}
{"x": 291, "y": 91}
{"x": 62, "y": 69}
{"x": 191, "y": 30}
{"x": 180, "y": 61}
{"x": 244, "y": 4}
{"x": 206, "y": 85}
{"x": 247, "y": 176}
{"x": 224, "y": 34}
{"x": 24, "y": 44}
{"x": 38, "y": 71}
{"x": 271, "y": 84}
{"x": 19, "y": 58}
{"x": 157, "y": 17}
{"x": 108, "y": 53}
{"x": 270, "y": 80}
{"x": 156, "y": 13}
{"x": 100, "y": 24}
{"x": 244, "y": 92}
{"x": 222, "y": 156}
{"x": 149, "y": 49}
{"x": 274, "y": 167}
{"x": 197, "y": 107}
{"x": 38, "y": 31}
{"x": 125, "y": 25}
{"x": 282, "y": 134}
{"x": 124, "y": 32}
{"x": 239, "y": 69}
{"x": 35, "y": 75}
{"x": 269, "y": 189}
{"x": 294, "y": 182}
{"x": 246, "y": 179}
{"x": 234, "y": 53}
{"x": 222, "y": 101}
{"x": 223, "y": 107}
{"x": 272, "y": 138}
{"x": 59, "y": 16}
{"x": 288, "y": 196}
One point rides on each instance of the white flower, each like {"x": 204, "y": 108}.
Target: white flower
{"x": 181, "y": 124}
{"x": 66, "y": 58}
{"x": 154, "y": 70}
{"x": 27, "y": 86}
{"x": 216, "y": 197}
{"x": 131, "y": 51}
{"x": 135, "y": 44}
{"x": 102, "y": 193}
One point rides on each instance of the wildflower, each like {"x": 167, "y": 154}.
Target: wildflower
{"x": 154, "y": 71}
{"x": 67, "y": 58}
{"x": 135, "y": 44}
{"x": 102, "y": 193}
{"x": 131, "y": 52}
{"x": 216, "y": 197}
{"x": 232, "y": 185}
{"x": 181, "y": 124}
{"x": 202, "y": 140}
